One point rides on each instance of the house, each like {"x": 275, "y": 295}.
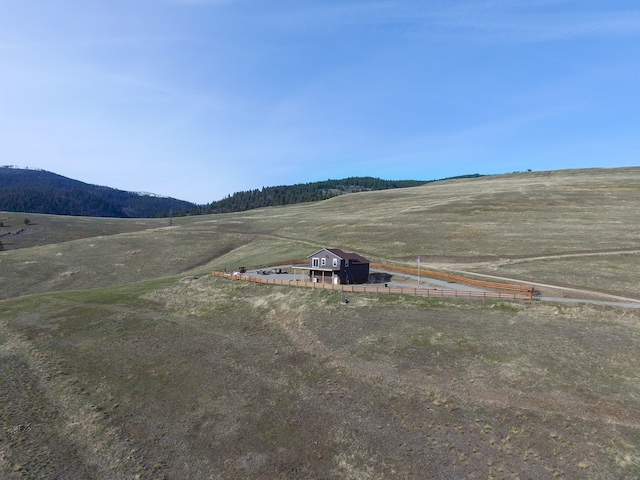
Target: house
{"x": 332, "y": 265}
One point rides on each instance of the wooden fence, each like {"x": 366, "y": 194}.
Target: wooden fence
{"x": 510, "y": 287}
{"x": 420, "y": 292}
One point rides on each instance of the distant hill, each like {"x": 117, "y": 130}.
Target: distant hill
{"x": 304, "y": 192}
{"x": 39, "y": 191}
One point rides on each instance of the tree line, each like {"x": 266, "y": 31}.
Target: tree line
{"x": 304, "y": 192}
{"x": 300, "y": 193}
{"x": 39, "y": 191}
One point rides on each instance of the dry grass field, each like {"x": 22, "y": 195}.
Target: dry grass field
{"x": 120, "y": 357}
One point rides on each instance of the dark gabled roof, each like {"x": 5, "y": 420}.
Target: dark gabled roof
{"x": 347, "y": 255}
{"x": 342, "y": 254}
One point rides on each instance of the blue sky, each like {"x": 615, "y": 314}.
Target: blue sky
{"x": 197, "y": 99}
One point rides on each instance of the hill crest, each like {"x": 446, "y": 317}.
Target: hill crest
{"x": 40, "y": 191}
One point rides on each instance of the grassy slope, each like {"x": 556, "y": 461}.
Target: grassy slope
{"x": 481, "y": 224}
{"x": 512, "y": 215}
{"x": 206, "y": 378}
{"x": 202, "y": 378}
{"x": 49, "y": 229}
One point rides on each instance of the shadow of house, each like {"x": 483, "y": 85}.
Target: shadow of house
{"x": 380, "y": 277}
{"x": 332, "y": 265}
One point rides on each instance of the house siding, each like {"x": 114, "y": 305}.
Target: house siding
{"x": 349, "y": 267}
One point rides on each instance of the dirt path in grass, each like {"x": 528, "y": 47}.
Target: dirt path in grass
{"x": 450, "y": 394}
{"x": 614, "y": 300}
{"x": 97, "y": 445}
{"x": 588, "y": 295}
{"x": 455, "y": 266}
{"x": 569, "y": 255}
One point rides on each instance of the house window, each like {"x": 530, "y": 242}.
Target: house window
{"x": 323, "y": 262}
{"x": 315, "y": 262}
{"x": 335, "y": 262}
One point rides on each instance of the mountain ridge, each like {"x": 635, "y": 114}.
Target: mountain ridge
{"x": 41, "y": 191}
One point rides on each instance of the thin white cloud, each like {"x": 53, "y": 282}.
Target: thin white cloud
{"x": 492, "y": 20}
{"x": 535, "y": 26}
{"x": 200, "y": 2}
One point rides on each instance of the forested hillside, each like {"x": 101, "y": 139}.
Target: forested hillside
{"x": 304, "y": 192}
{"x": 39, "y": 191}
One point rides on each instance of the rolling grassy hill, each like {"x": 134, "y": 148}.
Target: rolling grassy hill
{"x": 537, "y": 226}
{"x": 121, "y": 357}
{"x": 303, "y": 192}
